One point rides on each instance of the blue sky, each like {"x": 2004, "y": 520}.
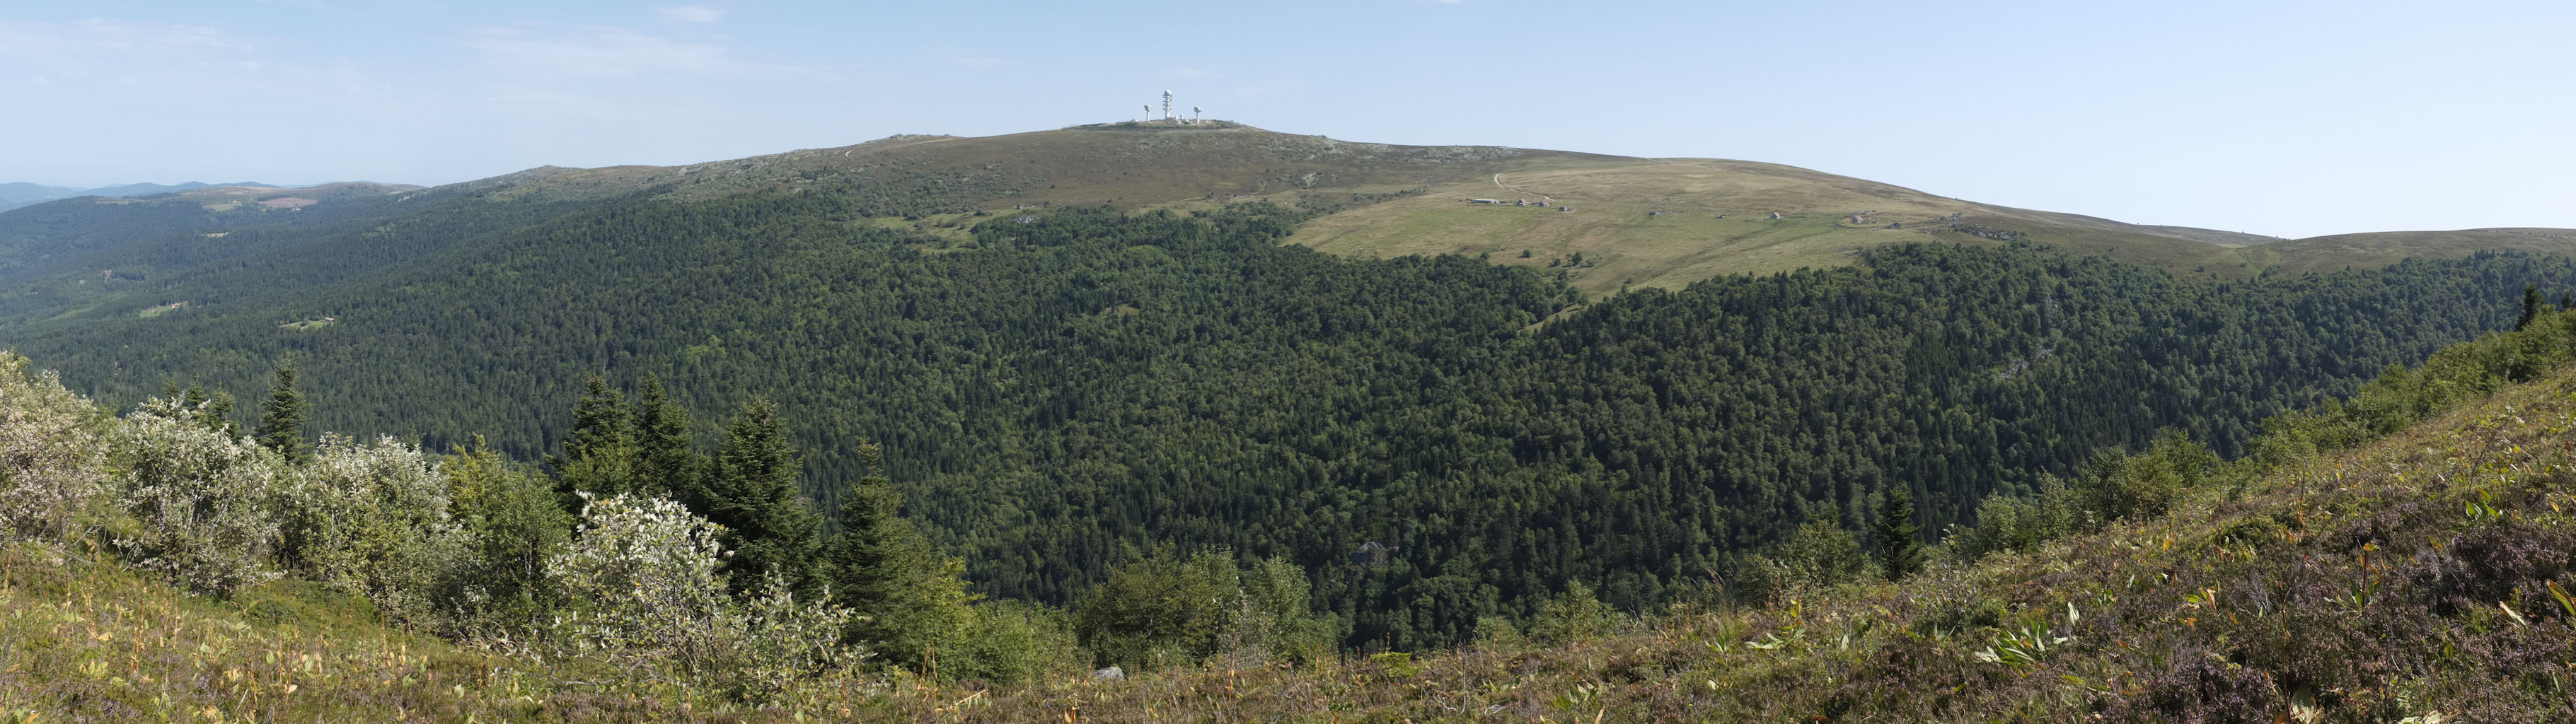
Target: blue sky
{"x": 2282, "y": 118}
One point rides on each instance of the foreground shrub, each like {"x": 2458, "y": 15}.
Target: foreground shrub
{"x": 642, "y": 582}
{"x": 1162, "y": 611}
{"x": 50, "y": 456}
{"x": 199, "y": 500}
{"x": 1012, "y": 642}
{"x": 642, "y": 577}
{"x": 372, "y": 520}
{"x": 512, "y": 524}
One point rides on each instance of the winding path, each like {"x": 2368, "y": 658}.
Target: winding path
{"x": 1498, "y": 181}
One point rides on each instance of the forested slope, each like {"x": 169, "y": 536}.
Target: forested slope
{"x": 1077, "y": 384}
{"x": 2355, "y": 567}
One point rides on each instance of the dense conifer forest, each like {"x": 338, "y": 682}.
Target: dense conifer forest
{"x": 1432, "y": 442}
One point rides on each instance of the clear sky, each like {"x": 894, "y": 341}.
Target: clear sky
{"x": 2282, "y": 118}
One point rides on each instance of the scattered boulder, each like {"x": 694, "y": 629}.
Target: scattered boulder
{"x": 1112, "y": 673}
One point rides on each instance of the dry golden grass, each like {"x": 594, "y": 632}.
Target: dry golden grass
{"x": 1656, "y": 222}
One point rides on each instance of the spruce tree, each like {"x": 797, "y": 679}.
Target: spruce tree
{"x": 907, "y": 595}
{"x": 666, "y": 459}
{"x": 2532, "y": 306}
{"x": 1900, "y": 554}
{"x": 755, "y": 496}
{"x": 598, "y": 455}
{"x": 282, "y": 416}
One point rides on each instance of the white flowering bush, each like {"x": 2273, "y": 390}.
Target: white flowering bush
{"x": 200, "y": 500}
{"x": 642, "y": 575}
{"x": 372, "y": 520}
{"x": 51, "y": 459}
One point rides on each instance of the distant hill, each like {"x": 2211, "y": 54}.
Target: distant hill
{"x": 20, "y": 194}
{"x": 148, "y": 189}
{"x": 2363, "y": 251}
{"x": 80, "y": 235}
{"x": 1635, "y": 221}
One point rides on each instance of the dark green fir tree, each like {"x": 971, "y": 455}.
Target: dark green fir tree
{"x": 1900, "y": 552}
{"x": 666, "y": 460}
{"x": 598, "y": 455}
{"x": 908, "y": 596}
{"x": 281, "y": 418}
{"x": 2532, "y": 306}
{"x": 755, "y": 496}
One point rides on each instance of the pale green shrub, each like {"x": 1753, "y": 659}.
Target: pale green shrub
{"x": 372, "y": 520}
{"x": 51, "y": 459}
{"x": 200, "y": 500}
{"x": 642, "y": 576}
{"x": 783, "y": 642}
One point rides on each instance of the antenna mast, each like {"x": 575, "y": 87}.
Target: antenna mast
{"x": 1167, "y": 108}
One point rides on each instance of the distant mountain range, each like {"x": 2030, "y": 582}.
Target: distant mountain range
{"x": 1635, "y": 222}
{"x": 21, "y": 193}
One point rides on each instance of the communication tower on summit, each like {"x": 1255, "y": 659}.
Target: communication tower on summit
{"x": 1167, "y": 108}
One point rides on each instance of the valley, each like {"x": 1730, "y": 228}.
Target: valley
{"x": 1084, "y": 373}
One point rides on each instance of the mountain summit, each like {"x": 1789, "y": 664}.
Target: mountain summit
{"x": 1648, "y": 222}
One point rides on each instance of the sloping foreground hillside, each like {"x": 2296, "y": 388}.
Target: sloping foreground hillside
{"x": 2353, "y": 569}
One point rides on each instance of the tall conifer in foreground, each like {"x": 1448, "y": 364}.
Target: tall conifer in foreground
{"x": 598, "y": 454}
{"x": 2532, "y": 306}
{"x": 907, "y": 596}
{"x": 281, "y": 418}
{"x": 754, "y": 495}
{"x": 666, "y": 459}
{"x": 1900, "y": 553}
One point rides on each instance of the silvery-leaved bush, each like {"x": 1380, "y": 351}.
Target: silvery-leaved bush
{"x": 50, "y": 456}
{"x": 371, "y": 519}
{"x": 643, "y": 574}
{"x": 201, "y": 500}
{"x": 784, "y": 642}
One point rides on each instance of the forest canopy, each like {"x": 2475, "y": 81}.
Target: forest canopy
{"x": 1431, "y": 441}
